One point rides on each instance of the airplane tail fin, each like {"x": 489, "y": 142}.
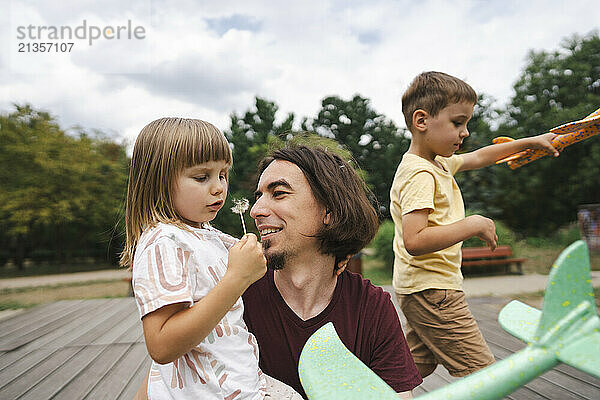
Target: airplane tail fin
{"x": 568, "y": 323}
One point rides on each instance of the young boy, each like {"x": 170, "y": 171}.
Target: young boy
{"x": 428, "y": 212}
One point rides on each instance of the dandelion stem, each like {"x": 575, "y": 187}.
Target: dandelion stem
{"x": 243, "y": 224}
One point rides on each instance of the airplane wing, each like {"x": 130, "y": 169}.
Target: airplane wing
{"x": 568, "y": 134}
{"x": 591, "y": 119}
{"x": 520, "y": 320}
{"x": 328, "y": 370}
{"x": 584, "y": 354}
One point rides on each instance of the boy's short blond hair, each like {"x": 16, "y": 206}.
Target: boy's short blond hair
{"x": 432, "y": 91}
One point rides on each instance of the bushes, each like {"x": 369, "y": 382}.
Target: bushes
{"x": 506, "y": 237}
{"x": 562, "y": 238}
{"x": 383, "y": 243}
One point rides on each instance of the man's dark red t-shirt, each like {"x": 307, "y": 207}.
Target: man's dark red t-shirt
{"x": 364, "y": 318}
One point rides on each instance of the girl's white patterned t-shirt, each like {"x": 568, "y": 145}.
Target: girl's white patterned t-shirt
{"x": 172, "y": 265}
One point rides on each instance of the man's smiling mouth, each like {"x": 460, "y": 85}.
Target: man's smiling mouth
{"x": 268, "y": 231}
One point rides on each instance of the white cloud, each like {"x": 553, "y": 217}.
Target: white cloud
{"x": 208, "y": 59}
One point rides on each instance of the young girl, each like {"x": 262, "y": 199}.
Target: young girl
{"x": 186, "y": 285}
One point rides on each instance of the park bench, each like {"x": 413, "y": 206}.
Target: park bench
{"x": 502, "y": 256}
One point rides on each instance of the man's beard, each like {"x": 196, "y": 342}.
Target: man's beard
{"x": 274, "y": 261}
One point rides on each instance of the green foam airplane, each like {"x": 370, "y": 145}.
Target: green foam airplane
{"x": 566, "y": 330}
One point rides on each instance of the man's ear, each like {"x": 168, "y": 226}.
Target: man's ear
{"x": 342, "y": 265}
{"x": 419, "y": 120}
{"x": 327, "y": 217}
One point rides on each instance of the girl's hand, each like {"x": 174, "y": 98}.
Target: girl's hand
{"x": 543, "y": 142}
{"x": 246, "y": 260}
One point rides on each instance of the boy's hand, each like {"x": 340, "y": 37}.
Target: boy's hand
{"x": 486, "y": 229}
{"x": 543, "y": 142}
{"x": 246, "y": 260}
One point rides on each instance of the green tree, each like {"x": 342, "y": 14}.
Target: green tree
{"x": 59, "y": 194}
{"x": 376, "y": 143}
{"x": 480, "y": 188}
{"x": 251, "y": 136}
{"x": 555, "y": 88}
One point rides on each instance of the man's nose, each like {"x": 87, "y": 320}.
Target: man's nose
{"x": 258, "y": 209}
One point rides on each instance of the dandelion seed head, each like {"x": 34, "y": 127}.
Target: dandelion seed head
{"x": 240, "y": 205}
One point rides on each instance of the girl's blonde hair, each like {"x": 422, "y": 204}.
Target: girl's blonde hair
{"x": 163, "y": 149}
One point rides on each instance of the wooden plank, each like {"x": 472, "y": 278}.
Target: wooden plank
{"x": 102, "y": 324}
{"x": 36, "y": 331}
{"x": 496, "y": 336}
{"x": 89, "y": 377}
{"x": 475, "y": 257}
{"x": 435, "y": 380}
{"x": 504, "y": 344}
{"x": 542, "y": 384}
{"x": 27, "y": 323}
{"x": 53, "y": 339}
{"x": 134, "y": 384}
{"x": 580, "y": 375}
{"x": 61, "y": 376}
{"x": 582, "y": 386}
{"x": 27, "y": 379}
{"x": 116, "y": 380}
{"x": 131, "y": 322}
{"x": 8, "y": 325}
{"x": 84, "y": 358}
{"x": 136, "y": 334}
{"x": 22, "y": 365}
{"x": 524, "y": 393}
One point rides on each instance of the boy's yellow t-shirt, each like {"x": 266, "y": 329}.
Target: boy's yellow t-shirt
{"x": 418, "y": 184}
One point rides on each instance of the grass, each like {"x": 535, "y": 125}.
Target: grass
{"x": 11, "y": 271}
{"x": 29, "y": 297}
{"x": 540, "y": 256}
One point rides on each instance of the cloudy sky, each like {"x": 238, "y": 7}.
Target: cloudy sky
{"x": 205, "y": 59}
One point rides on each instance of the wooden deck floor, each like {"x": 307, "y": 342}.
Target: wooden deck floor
{"x": 94, "y": 349}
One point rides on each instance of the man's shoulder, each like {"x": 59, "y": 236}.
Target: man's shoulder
{"x": 363, "y": 289}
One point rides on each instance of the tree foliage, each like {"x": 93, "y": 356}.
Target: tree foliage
{"x": 60, "y": 195}
{"x": 375, "y": 142}
{"x": 251, "y": 136}
{"x": 554, "y": 88}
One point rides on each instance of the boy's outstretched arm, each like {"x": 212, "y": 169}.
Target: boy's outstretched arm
{"x": 490, "y": 154}
{"x": 421, "y": 239}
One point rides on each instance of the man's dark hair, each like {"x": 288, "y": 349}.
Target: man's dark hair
{"x": 336, "y": 185}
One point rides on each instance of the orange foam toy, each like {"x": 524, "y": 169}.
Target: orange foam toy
{"x": 568, "y": 134}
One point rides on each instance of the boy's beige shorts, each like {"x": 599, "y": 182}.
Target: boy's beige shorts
{"x": 442, "y": 330}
